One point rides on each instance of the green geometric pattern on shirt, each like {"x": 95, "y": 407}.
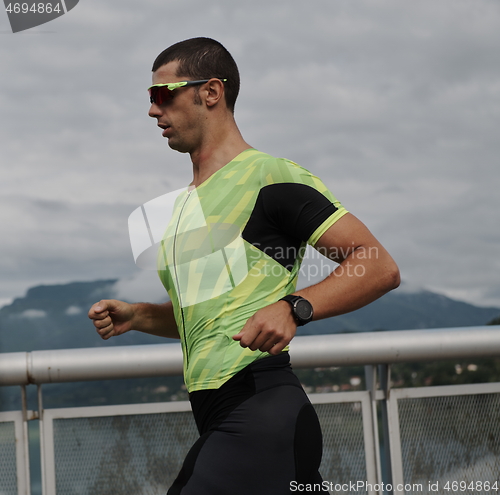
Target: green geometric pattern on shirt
{"x": 217, "y": 280}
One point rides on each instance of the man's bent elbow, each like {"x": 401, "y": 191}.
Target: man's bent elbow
{"x": 392, "y": 277}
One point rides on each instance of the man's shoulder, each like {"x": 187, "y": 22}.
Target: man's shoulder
{"x": 276, "y": 169}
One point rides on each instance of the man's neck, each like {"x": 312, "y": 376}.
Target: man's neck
{"x": 216, "y": 153}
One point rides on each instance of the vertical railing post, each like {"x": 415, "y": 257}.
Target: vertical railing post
{"x": 395, "y": 441}
{"x": 384, "y": 373}
{"x": 26, "y": 471}
{"x": 42, "y": 442}
{"x": 371, "y": 386}
{"x": 392, "y": 441}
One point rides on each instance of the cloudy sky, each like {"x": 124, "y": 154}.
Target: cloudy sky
{"x": 395, "y": 104}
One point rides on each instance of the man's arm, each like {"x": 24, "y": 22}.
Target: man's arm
{"x": 365, "y": 273}
{"x": 112, "y": 317}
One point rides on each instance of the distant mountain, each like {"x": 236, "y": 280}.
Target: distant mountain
{"x": 55, "y": 317}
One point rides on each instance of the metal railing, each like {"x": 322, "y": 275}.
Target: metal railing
{"x": 436, "y": 439}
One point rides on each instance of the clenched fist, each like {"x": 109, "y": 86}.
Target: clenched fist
{"x": 111, "y": 317}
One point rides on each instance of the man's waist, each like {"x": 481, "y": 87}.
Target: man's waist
{"x": 211, "y": 406}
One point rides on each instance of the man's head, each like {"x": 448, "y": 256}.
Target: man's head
{"x": 203, "y": 58}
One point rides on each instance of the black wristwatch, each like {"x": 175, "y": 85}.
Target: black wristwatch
{"x": 302, "y": 309}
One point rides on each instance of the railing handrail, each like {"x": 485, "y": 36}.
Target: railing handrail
{"x": 353, "y": 349}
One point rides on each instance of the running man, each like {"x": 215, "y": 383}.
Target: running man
{"x": 230, "y": 260}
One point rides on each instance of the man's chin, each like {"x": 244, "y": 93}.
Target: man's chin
{"x": 177, "y": 146}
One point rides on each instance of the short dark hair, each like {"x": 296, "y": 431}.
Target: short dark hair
{"x": 204, "y": 58}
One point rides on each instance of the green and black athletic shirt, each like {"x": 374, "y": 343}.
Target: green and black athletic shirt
{"x": 234, "y": 245}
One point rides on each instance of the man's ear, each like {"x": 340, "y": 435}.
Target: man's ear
{"x": 215, "y": 92}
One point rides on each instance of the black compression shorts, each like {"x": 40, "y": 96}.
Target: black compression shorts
{"x": 259, "y": 432}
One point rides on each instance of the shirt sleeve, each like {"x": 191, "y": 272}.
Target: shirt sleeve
{"x": 299, "y": 202}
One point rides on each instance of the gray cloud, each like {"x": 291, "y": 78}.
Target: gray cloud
{"x": 394, "y": 105}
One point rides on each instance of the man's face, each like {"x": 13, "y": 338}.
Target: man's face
{"x": 181, "y": 117}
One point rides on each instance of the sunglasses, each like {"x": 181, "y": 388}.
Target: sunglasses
{"x": 160, "y": 93}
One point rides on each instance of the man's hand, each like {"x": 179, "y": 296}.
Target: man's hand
{"x": 270, "y": 329}
{"x": 111, "y": 317}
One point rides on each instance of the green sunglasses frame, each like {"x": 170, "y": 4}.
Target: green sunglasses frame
{"x": 177, "y": 85}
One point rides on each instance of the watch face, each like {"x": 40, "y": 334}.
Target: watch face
{"x": 303, "y": 309}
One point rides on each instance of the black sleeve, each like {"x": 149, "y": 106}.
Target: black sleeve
{"x": 285, "y": 215}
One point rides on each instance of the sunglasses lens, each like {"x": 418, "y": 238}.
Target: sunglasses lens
{"x": 159, "y": 95}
